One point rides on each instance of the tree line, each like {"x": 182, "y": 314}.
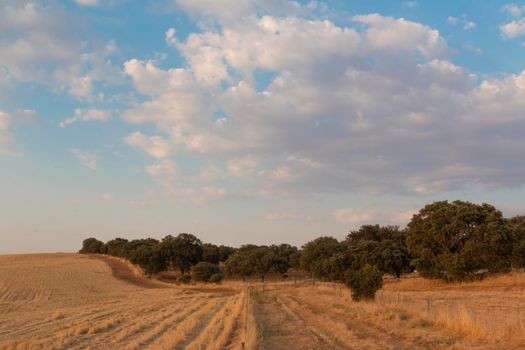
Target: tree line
{"x": 452, "y": 241}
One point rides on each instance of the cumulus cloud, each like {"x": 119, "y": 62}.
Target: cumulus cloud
{"x": 291, "y": 105}
{"x": 465, "y": 23}
{"x": 513, "y": 29}
{"x": 88, "y": 159}
{"x": 170, "y": 176}
{"x": 86, "y": 115}
{"x": 40, "y": 44}
{"x": 164, "y": 169}
{"x": 155, "y": 146}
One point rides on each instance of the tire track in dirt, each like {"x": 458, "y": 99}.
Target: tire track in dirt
{"x": 358, "y": 334}
{"x": 282, "y": 328}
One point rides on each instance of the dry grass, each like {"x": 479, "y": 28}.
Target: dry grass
{"x": 490, "y": 310}
{"x": 69, "y": 301}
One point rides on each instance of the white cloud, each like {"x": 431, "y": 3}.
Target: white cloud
{"x": 165, "y": 169}
{"x": 377, "y": 107}
{"x": 513, "y": 29}
{"x": 147, "y": 78}
{"x": 171, "y": 39}
{"x": 155, "y": 146}
{"x": 514, "y": 10}
{"x": 467, "y": 25}
{"x": 40, "y": 43}
{"x": 453, "y": 20}
{"x": 88, "y": 159}
{"x": 87, "y": 2}
{"x": 387, "y": 34}
{"x": 242, "y": 166}
{"x": 353, "y": 216}
{"x": 86, "y": 115}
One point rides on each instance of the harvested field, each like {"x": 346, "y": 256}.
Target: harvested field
{"x": 71, "y": 301}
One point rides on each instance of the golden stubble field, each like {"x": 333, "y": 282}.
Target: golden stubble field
{"x": 71, "y": 301}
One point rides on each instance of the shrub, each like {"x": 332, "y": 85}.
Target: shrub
{"x": 185, "y": 279}
{"x": 203, "y": 271}
{"x": 92, "y": 245}
{"x": 364, "y": 282}
{"x": 216, "y": 278}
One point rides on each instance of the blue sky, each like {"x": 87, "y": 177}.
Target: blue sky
{"x": 253, "y": 121}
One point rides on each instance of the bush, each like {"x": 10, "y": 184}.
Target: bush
{"x": 203, "y": 271}
{"x": 93, "y": 246}
{"x": 216, "y": 278}
{"x": 364, "y": 282}
{"x": 185, "y": 279}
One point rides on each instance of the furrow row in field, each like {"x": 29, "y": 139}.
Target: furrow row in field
{"x": 187, "y": 330}
{"x": 134, "y": 322}
{"x": 67, "y": 318}
{"x": 84, "y": 321}
{"x": 153, "y": 332}
{"x": 217, "y": 333}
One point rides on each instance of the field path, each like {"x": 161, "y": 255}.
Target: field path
{"x": 312, "y": 318}
{"x": 280, "y": 327}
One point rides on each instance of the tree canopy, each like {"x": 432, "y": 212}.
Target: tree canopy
{"x": 454, "y": 240}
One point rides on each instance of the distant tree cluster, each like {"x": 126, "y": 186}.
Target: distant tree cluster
{"x": 360, "y": 260}
{"x": 250, "y": 260}
{"x": 452, "y": 241}
{"x": 153, "y": 256}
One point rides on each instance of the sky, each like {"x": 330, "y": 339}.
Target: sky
{"x": 253, "y": 121}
